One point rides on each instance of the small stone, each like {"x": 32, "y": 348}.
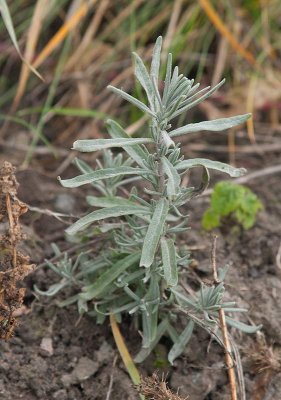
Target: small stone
{"x": 67, "y": 380}
{"x": 47, "y": 346}
{"x": 84, "y": 369}
{"x": 60, "y": 394}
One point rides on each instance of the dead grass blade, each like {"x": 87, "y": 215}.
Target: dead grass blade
{"x": 222, "y": 28}
{"x": 118, "y": 19}
{"x": 89, "y": 34}
{"x": 10, "y": 28}
{"x": 124, "y": 353}
{"x": 40, "y": 11}
{"x": 250, "y": 108}
{"x": 172, "y": 24}
{"x": 61, "y": 34}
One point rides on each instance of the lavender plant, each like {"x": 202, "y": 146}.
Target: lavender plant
{"x": 138, "y": 267}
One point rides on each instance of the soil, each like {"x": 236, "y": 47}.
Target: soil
{"x": 56, "y": 355}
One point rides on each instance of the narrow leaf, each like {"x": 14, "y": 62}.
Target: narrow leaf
{"x": 219, "y": 166}
{"x": 132, "y": 100}
{"x": 92, "y": 291}
{"x": 135, "y": 152}
{"x": 143, "y": 77}
{"x": 106, "y": 173}
{"x": 144, "y": 352}
{"x": 154, "y": 233}
{"x": 98, "y": 215}
{"x": 243, "y": 327}
{"x": 169, "y": 261}
{"x": 173, "y": 177}
{"x": 155, "y": 64}
{"x": 150, "y": 313}
{"x": 100, "y": 144}
{"x": 179, "y": 346}
{"x": 205, "y": 179}
{"x": 199, "y": 100}
{"x": 53, "y": 289}
{"x": 108, "y": 201}
{"x": 167, "y": 78}
{"x": 215, "y": 125}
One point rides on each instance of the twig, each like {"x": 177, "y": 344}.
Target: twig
{"x": 278, "y": 257}
{"x": 111, "y": 379}
{"x": 225, "y": 338}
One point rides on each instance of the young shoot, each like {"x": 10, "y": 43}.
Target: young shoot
{"x": 136, "y": 269}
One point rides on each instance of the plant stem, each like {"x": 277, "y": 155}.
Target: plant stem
{"x": 228, "y": 359}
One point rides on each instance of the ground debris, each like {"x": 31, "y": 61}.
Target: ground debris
{"x": 154, "y": 388}
{"x": 14, "y": 266}
{"x": 265, "y": 363}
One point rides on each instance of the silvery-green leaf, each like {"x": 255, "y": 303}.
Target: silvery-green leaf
{"x": 135, "y": 152}
{"x": 82, "y": 166}
{"x": 100, "y": 174}
{"x": 87, "y": 146}
{"x": 169, "y": 261}
{"x": 53, "y": 289}
{"x": 165, "y": 138}
{"x": 155, "y": 64}
{"x": 143, "y": 77}
{"x": 205, "y": 179}
{"x": 167, "y": 78}
{"x": 132, "y": 100}
{"x": 179, "y": 346}
{"x": 108, "y": 201}
{"x": 215, "y": 125}
{"x": 154, "y": 233}
{"x": 105, "y": 279}
{"x": 174, "y": 179}
{"x": 150, "y": 313}
{"x": 172, "y": 333}
{"x": 149, "y": 322}
{"x": 82, "y": 306}
{"x": 195, "y": 102}
{"x": 144, "y": 352}
{"x": 68, "y": 301}
{"x": 219, "y": 166}
{"x": 104, "y": 213}
{"x": 243, "y": 327}
{"x": 183, "y": 300}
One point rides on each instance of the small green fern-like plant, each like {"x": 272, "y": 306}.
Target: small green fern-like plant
{"x": 232, "y": 200}
{"x": 137, "y": 269}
